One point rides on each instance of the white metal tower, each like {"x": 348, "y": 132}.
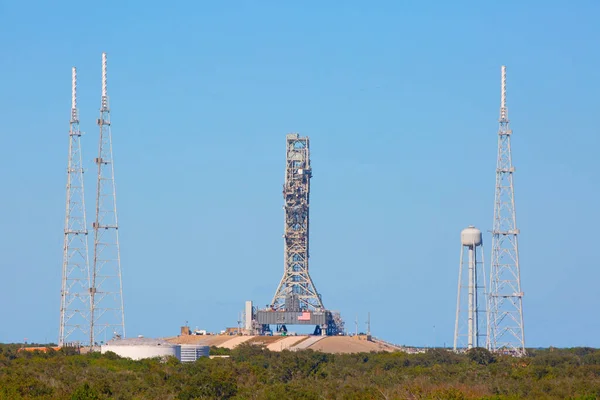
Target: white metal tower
{"x": 507, "y": 332}
{"x": 296, "y": 291}
{"x": 108, "y": 317}
{"x": 75, "y": 305}
{"x": 469, "y": 322}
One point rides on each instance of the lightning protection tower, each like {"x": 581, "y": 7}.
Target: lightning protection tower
{"x": 108, "y": 317}
{"x": 296, "y": 291}
{"x": 471, "y": 315}
{"x": 507, "y": 333}
{"x": 75, "y": 305}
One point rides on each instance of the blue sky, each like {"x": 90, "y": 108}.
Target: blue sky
{"x": 400, "y": 100}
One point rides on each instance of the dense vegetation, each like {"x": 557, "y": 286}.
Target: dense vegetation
{"x": 255, "y": 373}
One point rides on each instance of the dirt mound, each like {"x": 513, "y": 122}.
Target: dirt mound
{"x": 348, "y": 344}
{"x": 204, "y": 340}
{"x": 329, "y": 344}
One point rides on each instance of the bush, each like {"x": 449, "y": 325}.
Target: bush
{"x": 255, "y": 372}
{"x": 481, "y": 356}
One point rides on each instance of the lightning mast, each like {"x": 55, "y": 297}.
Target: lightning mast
{"x": 506, "y": 298}
{"x": 75, "y": 305}
{"x": 106, "y": 290}
{"x": 296, "y": 290}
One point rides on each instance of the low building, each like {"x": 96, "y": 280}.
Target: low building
{"x": 192, "y": 352}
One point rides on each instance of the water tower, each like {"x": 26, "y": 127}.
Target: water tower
{"x": 471, "y": 310}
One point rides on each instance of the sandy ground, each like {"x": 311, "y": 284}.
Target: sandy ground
{"x": 307, "y": 343}
{"x": 264, "y": 340}
{"x": 236, "y": 341}
{"x": 205, "y": 340}
{"x": 326, "y": 344}
{"x": 347, "y": 344}
{"x": 285, "y": 343}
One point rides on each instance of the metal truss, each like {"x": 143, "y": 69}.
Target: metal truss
{"x": 296, "y": 291}
{"x": 507, "y": 333}
{"x": 75, "y": 305}
{"x": 108, "y": 317}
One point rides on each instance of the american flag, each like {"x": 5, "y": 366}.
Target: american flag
{"x": 304, "y": 317}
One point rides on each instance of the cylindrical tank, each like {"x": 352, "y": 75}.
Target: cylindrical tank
{"x": 470, "y": 236}
{"x": 139, "y": 348}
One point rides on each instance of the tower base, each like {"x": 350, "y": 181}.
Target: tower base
{"x": 326, "y": 322}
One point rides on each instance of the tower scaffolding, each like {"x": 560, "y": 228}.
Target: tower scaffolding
{"x": 108, "y": 315}
{"x": 296, "y": 300}
{"x": 507, "y": 333}
{"x": 296, "y": 290}
{"x": 75, "y": 305}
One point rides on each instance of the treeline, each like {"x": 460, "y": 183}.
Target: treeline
{"x": 252, "y": 372}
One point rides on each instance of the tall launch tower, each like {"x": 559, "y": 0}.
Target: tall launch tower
{"x": 296, "y": 300}
{"x": 75, "y": 305}
{"x": 108, "y": 317}
{"x": 468, "y": 319}
{"x": 296, "y": 291}
{"x": 506, "y": 298}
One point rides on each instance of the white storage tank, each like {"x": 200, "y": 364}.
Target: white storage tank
{"x": 192, "y": 352}
{"x": 470, "y": 236}
{"x": 139, "y": 348}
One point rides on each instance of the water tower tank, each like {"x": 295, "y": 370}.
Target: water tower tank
{"x": 470, "y": 236}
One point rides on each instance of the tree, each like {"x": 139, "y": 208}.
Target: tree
{"x": 85, "y": 392}
{"x": 481, "y": 356}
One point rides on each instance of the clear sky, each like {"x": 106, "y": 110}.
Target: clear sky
{"x": 400, "y": 100}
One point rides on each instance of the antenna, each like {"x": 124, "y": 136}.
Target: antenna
{"x": 74, "y": 94}
{"x": 104, "y": 105}
{"x": 503, "y": 109}
{"x": 506, "y": 326}
{"x": 75, "y": 305}
{"x": 369, "y": 323}
{"x": 106, "y": 289}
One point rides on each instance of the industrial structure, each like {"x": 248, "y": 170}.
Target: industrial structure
{"x": 108, "y": 317}
{"x": 296, "y": 290}
{"x": 75, "y": 305}
{"x": 507, "y": 333}
{"x": 471, "y": 312}
{"x": 192, "y": 352}
{"x": 296, "y": 300}
{"x": 140, "y": 348}
{"x": 92, "y": 307}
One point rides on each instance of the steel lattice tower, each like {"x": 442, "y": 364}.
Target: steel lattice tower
{"x": 506, "y": 298}
{"x": 472, "y": 297}
{"x": 296, "y": 291}
{"x": 75, "y": 305}
{"x": 107, "y": 293}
